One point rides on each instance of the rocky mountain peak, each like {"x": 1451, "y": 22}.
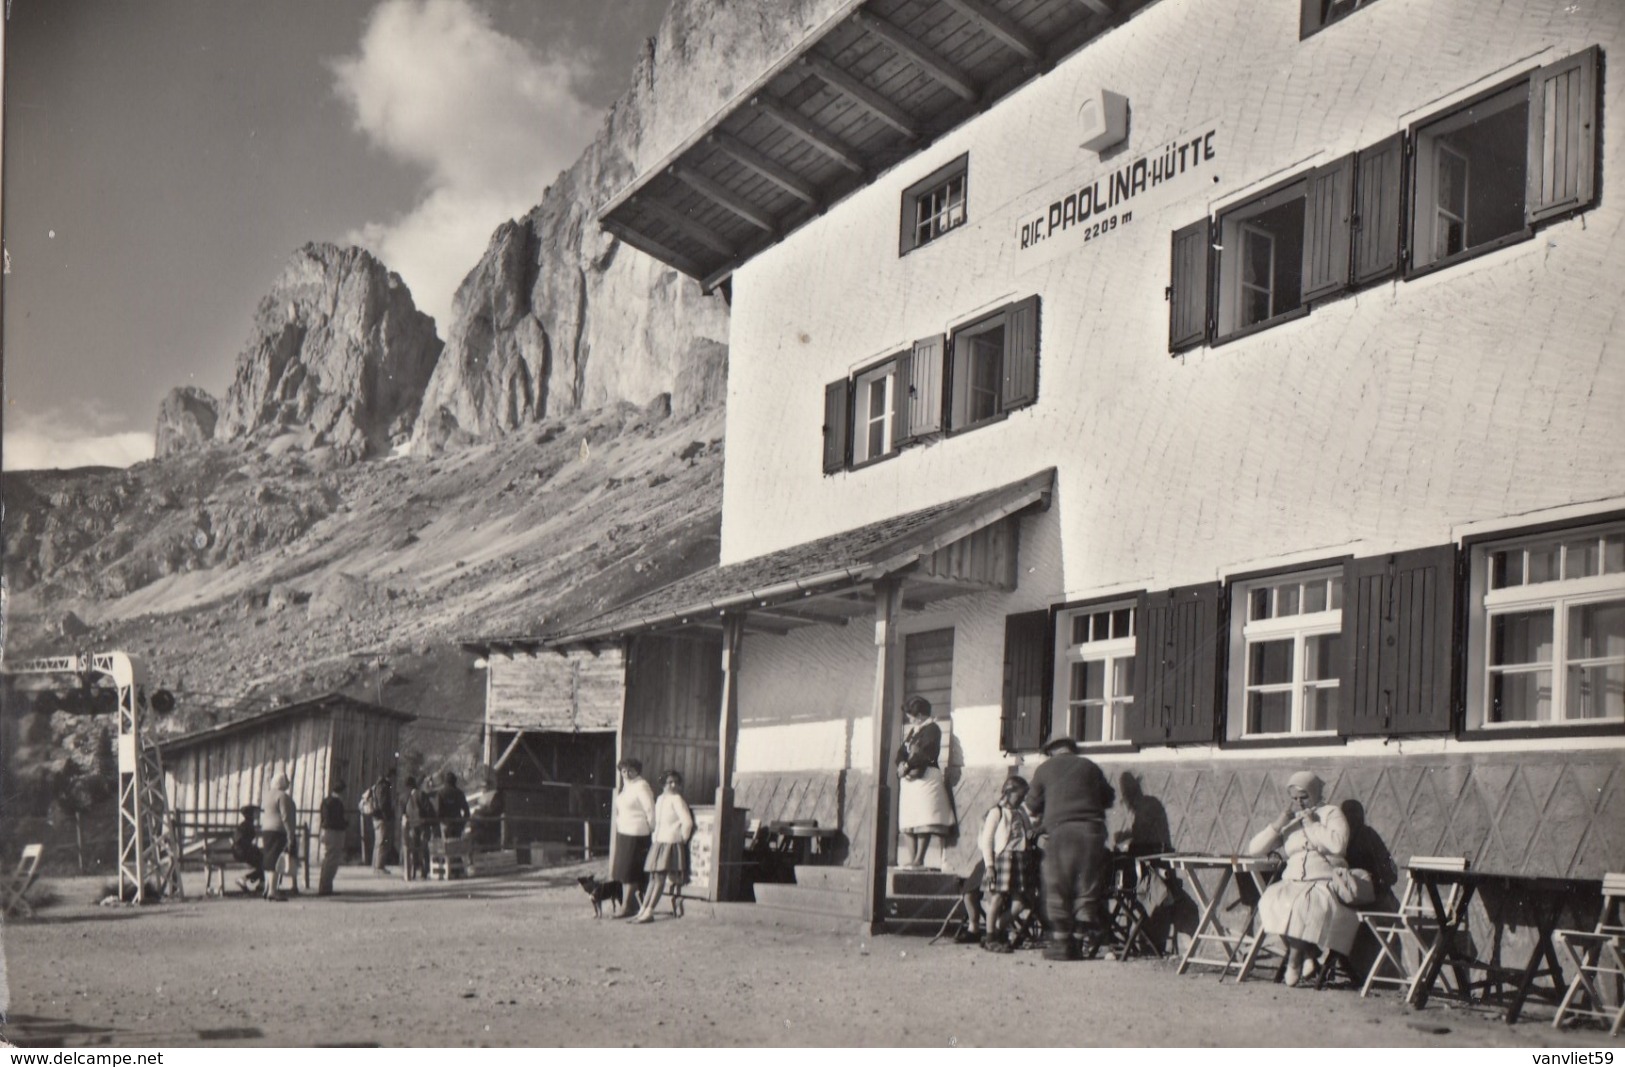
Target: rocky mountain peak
{"x": 337, "y": 358}
{"x": 186, "y": 420}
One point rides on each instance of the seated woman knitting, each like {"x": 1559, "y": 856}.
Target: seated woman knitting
{"x": 1301, "y": 907}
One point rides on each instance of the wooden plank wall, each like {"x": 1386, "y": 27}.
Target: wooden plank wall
{"x": 215, "y": 778}
{"x": 673, "y": 702}
{"x": 985, "y": 557}
{"x": 552, "y": 692}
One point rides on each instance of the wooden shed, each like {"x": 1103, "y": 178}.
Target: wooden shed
{"x": 550, "y": 728}
{"x": 210, "y": 774}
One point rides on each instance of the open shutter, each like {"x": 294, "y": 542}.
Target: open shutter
{"x": 1187, "y": 289}
{"x": 923, "y": 387}
{"x": 1026, "y": 681}
{"x": 1327, "y": 214}
{"x": 1176, "y": 664}
{"x": 1021, "y": 354}
{"x": 1562, "y": 137}
{"x": 959, "y": 382}
{"x": 837, "y": 407}
{"x": 1398, "y": 629}
{"x": 901, "y": 371}
{"x": 1378, "y": 198}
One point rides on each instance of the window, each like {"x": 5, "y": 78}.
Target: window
{"x": 874, "y": 408}
{"x": 1471, "y": 172}
{"x": 1261, "y": 260}
{"x": 1095, "y": 647}
{"x": 1276, "y": 254}
{"x": 994, "y": 365}
{"x": 883, "y": 408}
{"x": 1316, "y": 15}
{"x": 1488, "y": 171}
{"x": 934, "y": 206}
{"x": 1287, "y": 655}
{"x": 1458, "y": 184}
{"x": 1548, "y": 630}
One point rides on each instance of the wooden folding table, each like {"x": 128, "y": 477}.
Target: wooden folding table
{"x": 1218, "y": 941}
{"x": 1536, "y": 901}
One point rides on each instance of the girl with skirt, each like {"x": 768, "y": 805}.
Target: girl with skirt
{"x": 1008, "y": 849}
{"x": 668, "y": 858}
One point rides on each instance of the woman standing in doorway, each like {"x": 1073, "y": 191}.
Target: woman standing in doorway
{"x": 924, "y": 808}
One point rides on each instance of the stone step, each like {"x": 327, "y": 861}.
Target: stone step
{"x": 811, "y": 899}
{"x": 834, "y": 879}
{"x": 768, "y": 915}
{"x": 927, "y": 909}
{"x": 920, "y": 883}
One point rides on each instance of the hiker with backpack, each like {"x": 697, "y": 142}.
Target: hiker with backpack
{"x": 418, "y": 816}
{"x": 378, "y": 815}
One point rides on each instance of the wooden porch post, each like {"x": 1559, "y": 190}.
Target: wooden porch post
{"x": 733, "y": 632}
{"x": 888, "y": 606}
{"x": 490, "y": 669}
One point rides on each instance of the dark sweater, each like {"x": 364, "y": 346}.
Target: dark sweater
{"x": 1069, "y": 788}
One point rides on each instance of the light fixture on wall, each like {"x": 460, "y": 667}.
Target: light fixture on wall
{"x": 1104, "y": 118}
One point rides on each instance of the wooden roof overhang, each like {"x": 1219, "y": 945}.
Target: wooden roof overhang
{"x": 963, "y": 547}
{"x": 877, "y": 83}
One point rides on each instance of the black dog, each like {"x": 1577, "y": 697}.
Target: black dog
{"x": 600, "y": 892}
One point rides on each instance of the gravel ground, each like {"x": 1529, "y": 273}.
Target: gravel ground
{"x": 521, "y": 961}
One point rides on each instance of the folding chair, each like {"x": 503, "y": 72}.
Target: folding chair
{"x": 12, "y": 890}
{"x": 1412, "y": 928}
{"x": 1599, "y": 961}
{"x": 1126, "y": 917}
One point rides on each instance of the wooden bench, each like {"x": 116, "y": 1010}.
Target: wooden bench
{"x": 211, "y": 848}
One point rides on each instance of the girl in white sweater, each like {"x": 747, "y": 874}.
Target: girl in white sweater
{"x": 668, "y": 857}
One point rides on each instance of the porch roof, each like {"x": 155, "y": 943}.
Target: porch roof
{"x": 872, "y": 87}
{"x": 777, "y": 583}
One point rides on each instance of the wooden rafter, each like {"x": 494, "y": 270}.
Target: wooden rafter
{"x": 660, "y": 251}
{"x": 697, "y": 230}
{"x": 999, "y": 25}
{"x": 918, "y": 53}
{"x": 751, "y": 159}
{"x": 725, "y": 198}
{"x": 797, "y": 618}
{"x": 871, "y": 100}
{"x": 1099, "y": 7}
{"x": 809, "y": 131}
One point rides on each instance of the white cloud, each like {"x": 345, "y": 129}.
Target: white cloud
{"x": 490, "y": 120}
{"x": 58, "y": 439}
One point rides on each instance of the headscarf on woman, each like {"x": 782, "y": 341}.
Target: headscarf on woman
{"x": 1310, "y": 783}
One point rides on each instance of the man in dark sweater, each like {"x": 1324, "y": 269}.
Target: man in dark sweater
{"x": 1070, "y": 796}
{"x": 334, "y": 826}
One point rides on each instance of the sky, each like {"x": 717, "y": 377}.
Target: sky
{"x": 163, "y": 159}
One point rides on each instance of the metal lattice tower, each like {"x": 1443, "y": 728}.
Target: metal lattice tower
{"x": 148, "y": 855}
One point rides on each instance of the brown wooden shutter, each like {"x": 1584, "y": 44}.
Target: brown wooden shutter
{"x": 959, "y": 382}
{"x": 837, "y": 410}
{"x": 1021, "y": 355}
{"x": 902, "y": 369}
{"x": 1188, "y": 287}
{"x": 924, "y": 387}
{"x": 1378, "y": 209}
{"x": 1311, "y": 17}
{"x": 1327, "y": 213}
{"x": 1178, "y": 646}
{"x": 1398, "y": 632}
{"x": 1563, "y": 137}
{"x": 1026, "y": 681}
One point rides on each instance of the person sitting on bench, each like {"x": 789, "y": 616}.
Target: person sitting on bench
{"x": 244, "y": 849}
